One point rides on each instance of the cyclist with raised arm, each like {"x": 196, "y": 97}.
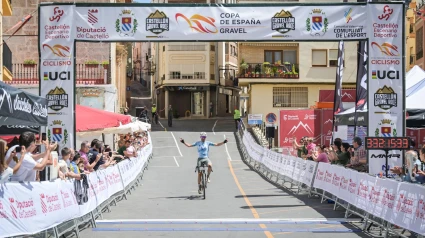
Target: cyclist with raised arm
{"x": 203, "y": 149}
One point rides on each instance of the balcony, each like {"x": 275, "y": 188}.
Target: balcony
{"x": 187, "y": 47}
{"x": 29, "y": 74}
{"x": 7, "y": 8}
{"x": 7, "y": 63}
{"x": 412, "y": 33}
{"x": 412, "y": 60}
{"x": 178, "y": 75}
{"x": 260, "y": 70}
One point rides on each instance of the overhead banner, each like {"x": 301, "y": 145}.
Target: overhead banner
{"x": 62, "y": 25}
{"x": 386, "y": 79}
{"x": 57, "y": 82}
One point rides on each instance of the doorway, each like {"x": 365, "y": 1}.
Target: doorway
{"x": 197, "y": 103}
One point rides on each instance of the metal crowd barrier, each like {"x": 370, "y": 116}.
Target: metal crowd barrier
{"x": 75, "y": 225}
{"x": 280, "y": 180}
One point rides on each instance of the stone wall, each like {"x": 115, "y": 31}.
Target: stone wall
{"x": 24, "y": 45}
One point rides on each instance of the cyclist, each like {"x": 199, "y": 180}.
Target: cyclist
{"x": 203, "y": 149}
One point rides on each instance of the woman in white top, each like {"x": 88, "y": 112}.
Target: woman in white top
{"x": 5, "y": 171}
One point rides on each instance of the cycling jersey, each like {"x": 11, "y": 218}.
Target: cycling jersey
{"x": 203, "y": 148}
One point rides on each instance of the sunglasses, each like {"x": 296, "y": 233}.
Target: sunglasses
{"x": 203, "y": 137}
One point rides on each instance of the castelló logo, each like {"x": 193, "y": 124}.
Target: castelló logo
{"x": 57, "y": 14}
{"x": 317, "y": 23}
{"x": 126, "y": 25}
{"x": 387, "y": 129}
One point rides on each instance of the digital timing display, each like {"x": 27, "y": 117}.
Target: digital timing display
{"x": 387, "y": 143}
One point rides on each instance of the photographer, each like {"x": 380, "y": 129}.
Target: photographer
{"x": 5, "y": 171}
{"x": 341, "y": 158}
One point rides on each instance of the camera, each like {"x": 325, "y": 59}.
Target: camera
{"x": 18, "y": 149}
{"x": 110, "y": 153}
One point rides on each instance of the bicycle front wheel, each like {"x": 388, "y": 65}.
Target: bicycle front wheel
{"x": 204, "y": 184}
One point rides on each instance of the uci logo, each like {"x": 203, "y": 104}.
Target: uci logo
{"x": 64, "y": 75}
{"x": 385, "y": 74}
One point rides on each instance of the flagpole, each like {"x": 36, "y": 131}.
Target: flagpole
{"x": 359, "y": 54}
{"x": 338, "y": 86}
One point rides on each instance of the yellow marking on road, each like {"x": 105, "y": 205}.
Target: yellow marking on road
{"x": 254, "y": 212}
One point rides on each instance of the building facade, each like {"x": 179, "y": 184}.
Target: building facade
{"x": 419, "y": 34}
{"x": 410, "y": 33}
{"x": 6, "y": 54}
{"x": 192, "y": 75}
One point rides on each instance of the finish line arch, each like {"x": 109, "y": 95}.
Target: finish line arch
{"x": 382, "y": 25}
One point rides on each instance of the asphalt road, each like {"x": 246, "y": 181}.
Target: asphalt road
{"x": 169, "y": 191}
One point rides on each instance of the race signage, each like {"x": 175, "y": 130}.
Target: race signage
{"x": 380, "y": 23}
{"x": 386, "y": 78}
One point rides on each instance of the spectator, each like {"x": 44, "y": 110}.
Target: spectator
{"x": 73, "y": 166}
{"x": 121, "y": 141}
{"x": 130, "y": 152}
{"x": 85, "y": 147}
{"x": 301, "y": 148}
{"x": 170, "y": 116}
{"x": 337, "y": 146}
{"x": 358, "y": 156}
{"x": 320, "y": 155}
{"x": 343, "y": 158}
{"x": 64, "y": 165}
{"x": 93, "y": 155}
{"x": 29, "y": 166}
{"x": 211, "y": 109}
{"x": 310, "y": 148}
{"x": 124, "y": 148}
{"x": 6, "y": 172}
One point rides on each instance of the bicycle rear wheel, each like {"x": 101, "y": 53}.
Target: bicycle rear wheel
{"x": 156, "y": 119}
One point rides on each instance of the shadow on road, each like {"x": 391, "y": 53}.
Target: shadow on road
{"x": 262, "y": 195}
{"x": 183, "y": 197}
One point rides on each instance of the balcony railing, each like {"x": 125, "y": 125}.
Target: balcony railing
{"x": 412, "y": 59}
{"x": 196, "y": 75}
{"x": 187, "y": 47}
{"x": 85, "y": 75}
{"x": 260, "y": 70}
{"x": 7, "y": 57}
{"x": 419, "y": 54}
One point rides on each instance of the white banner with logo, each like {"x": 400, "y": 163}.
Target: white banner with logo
{"x": 386, "y": 78}
{"x": 57, "y": 34}
{"x": 29, "y": 208}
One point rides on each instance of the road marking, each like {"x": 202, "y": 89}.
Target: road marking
{"x": 233, "y": 221}
{"x": 254, "y": 212}
{"x": 176, "y": 161}
{"x": 266, "y": 230}
{"x": 161, "y": 125}
{"x": 214, "y": 126}
{"x": 228, "y": 155}
{"x": 176, "y": 144}
{"x": 156, "y": 147}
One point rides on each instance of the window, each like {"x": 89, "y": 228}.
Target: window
{"x": 226, "y": 48}
{"x": 333, "y": 58}
{"x": 272, "y": 56}
{"x": 199, "y": 75}
{"x": 290, "y": 97}
{"x": 319, "y": 58}
{"x": 290, "y": 56}
{"x": 187, "y": 76}
{"x": 419, "y": 43}
{"x": 175, "y": 75}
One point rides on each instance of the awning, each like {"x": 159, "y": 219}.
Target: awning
{"x": 131, "y": 127}
{"x": 18, "y": 107}
{"x": 91, "y": 119}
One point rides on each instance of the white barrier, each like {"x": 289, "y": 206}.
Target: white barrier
{"x": 398, "y": 203}
{"x": 32, "y": 207}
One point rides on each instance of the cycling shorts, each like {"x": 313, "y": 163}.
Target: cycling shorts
{"x": 200, "y": 160}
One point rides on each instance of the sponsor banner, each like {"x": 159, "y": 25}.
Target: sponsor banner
{"x": 57, "y": 84}
{"x": 254, "y": 119}
{"x": 386, "y": 77}
{"x": 42, "y": 205}
{"x": 327, "y": 128}
{"x": 297, "y": 123}
{"x": 210, "y": 22}
{"x": 21, "y": 108}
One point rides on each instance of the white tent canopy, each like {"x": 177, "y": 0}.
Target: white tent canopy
{"x": 414, "y": 76}
{"x": 131, "y": 127}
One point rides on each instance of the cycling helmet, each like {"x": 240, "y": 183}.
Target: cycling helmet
{"x": 203, "y": 134}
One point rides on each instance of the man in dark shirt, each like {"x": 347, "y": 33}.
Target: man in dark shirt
{"x": 124, "y": 148}
{"x": 92, "y": 154}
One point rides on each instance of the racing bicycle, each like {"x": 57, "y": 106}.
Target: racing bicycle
{"x": 203, "y": 169}
{"x": 155, "y": 118}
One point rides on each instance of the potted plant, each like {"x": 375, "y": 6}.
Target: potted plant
{"x": 294, "y": 72}
{"x": 268, "y": 72}
{"x": 274, "y": 70}
{"x": 266, "y": 69}
{"x": 257, "y": 70}
{"x": 29, "y": 63}
{"x": 289, "y": 74}
{"x": 244, "y": 66}
{"x": 281, "y": 73}
{"x": 92, "y": 64}
{"x": 105, "y": 64}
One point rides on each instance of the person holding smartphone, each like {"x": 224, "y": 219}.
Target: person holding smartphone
{"x": 5, "y": 171}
